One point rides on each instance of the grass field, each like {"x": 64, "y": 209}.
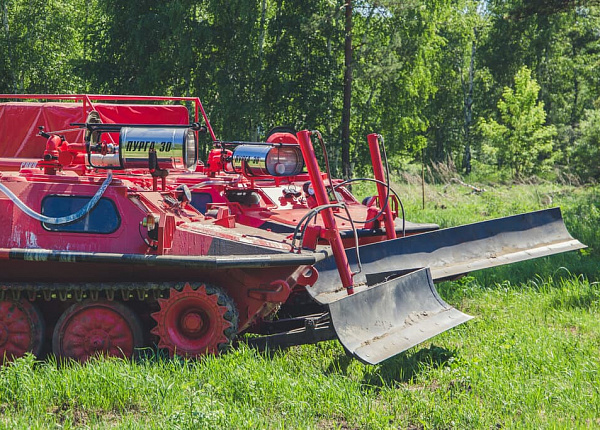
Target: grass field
{"x": 529, "y": 359}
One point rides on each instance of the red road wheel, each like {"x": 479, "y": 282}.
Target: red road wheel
{"x": 93, "y": 328}
{"x": 21, "y": 329}
{"x": 192, "y": 323}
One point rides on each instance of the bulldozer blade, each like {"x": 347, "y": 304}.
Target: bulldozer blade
{"x": 452, "y": 252}
{"x": 388, "y": 318}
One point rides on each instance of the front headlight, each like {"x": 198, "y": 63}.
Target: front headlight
{"x": 285, "y": 161}
{"x": 191, "y": 150}
{"x": 268, "y": 160}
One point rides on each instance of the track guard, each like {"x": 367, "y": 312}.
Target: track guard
{"x": 393, "y": 316}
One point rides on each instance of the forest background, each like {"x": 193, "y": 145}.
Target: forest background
{"x": 499, "y": 89}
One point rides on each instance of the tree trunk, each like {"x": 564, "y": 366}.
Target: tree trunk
{"x": 468, "y": 103}
{"x": 258, "y": 78}
{"x": 346, "y": 167}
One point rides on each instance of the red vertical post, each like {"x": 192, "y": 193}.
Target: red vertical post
{"x": 208, "y": 126}
{"x": 333, "y": 234}
{"x": 388, "y": 220}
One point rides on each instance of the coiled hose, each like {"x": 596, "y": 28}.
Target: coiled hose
{"x": 60, "y": 220}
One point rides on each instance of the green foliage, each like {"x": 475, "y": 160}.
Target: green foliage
{"x": 423, "y": 69}
{"x": 520, "y": 140}
{"x": 586, "y": 152}
{"x": 39, "y": 43}
{"x": 447, "y": 112}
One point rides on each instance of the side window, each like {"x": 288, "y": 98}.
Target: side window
{"x": 200, "y": 200}
{"x": 103, "y": 218}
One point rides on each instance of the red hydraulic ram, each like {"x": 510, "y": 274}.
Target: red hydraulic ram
{"x": 390, "y": 228}
{"x": 333, "y": 234}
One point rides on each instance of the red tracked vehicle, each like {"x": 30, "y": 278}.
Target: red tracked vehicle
{"x": 117, "y": 238}
{"x": 258, "y": 197}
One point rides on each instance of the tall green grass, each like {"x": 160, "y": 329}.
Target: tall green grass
{"x": 453, "y": 204}
{"x": 529, "y": 359}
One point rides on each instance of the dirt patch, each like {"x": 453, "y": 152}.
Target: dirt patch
{"x": 338, "y": 423}
{"x": 420, "y": 387}
{"x": 572, "y": 330}
{"x": 67, "y": 411}
{"x": 81, "y": 417}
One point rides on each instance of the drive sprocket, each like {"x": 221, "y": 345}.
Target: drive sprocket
{"x": 195, "y": 321}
